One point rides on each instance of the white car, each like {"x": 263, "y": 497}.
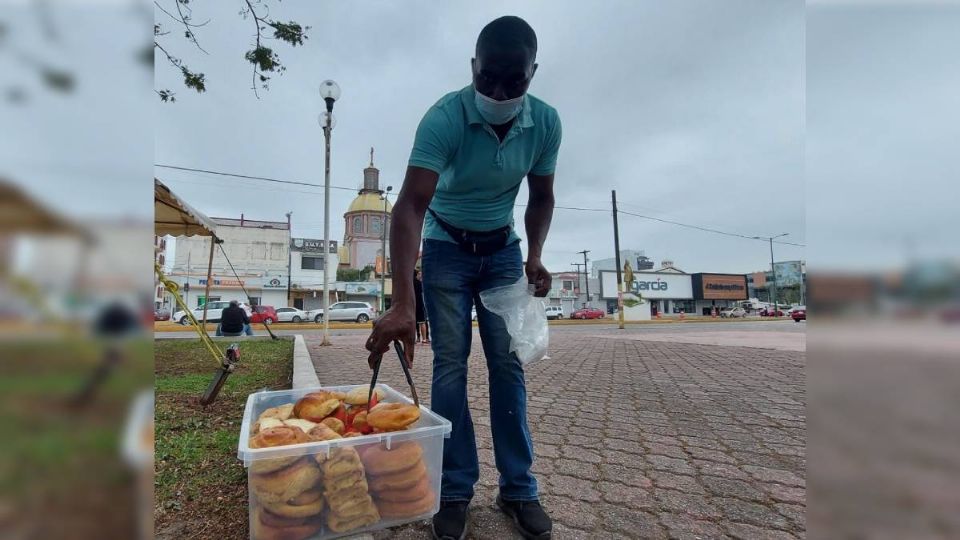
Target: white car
{"x": 732, "y": 313}
{"x": 289, "y": 314}
{"x": 554, "y": 312}
{"x": 214, "y": 311}
{"x": 360, "y": 312}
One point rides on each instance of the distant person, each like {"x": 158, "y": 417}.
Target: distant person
{"x": 423, "y": 326}
{"x": 233, "y": 320}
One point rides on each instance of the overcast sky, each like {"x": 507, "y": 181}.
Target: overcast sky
{"x": 692, "y": 113}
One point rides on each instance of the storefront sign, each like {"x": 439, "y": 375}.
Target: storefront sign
{"x": 788, "y": 273}
{"x": 720, "y": 286}
{"x": 223, "y": 283}
{"x": 311, "y": 245}
{"x": 274, "y": 283}
{"x": 648, "y": 285}
{"x": 363, "y": 289}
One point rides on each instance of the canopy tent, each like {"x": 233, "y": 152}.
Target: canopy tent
{"x": 173, "y": 216}
{"x": 21, "y": 214}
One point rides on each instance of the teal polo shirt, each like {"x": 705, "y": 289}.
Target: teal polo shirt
{"x": 479, "y": 175}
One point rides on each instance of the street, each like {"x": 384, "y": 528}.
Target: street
{"x": 682, "y": 431}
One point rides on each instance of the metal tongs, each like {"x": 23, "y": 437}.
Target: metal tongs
{"x": 406, "y": 371}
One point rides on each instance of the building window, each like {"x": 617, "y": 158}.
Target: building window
{"x": 357, "y": 224}
{"x": 276, "y": 251}
{"x": 259, "y": 250}
{"x": 568, "y": 285}
{"x": 376, "y": 225}
{"x": 688, "y": 306}
{"x": 311, "y": 263}
{"x": 254, "y": 300}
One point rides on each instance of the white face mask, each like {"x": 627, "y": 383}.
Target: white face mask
{"x": 497, "y": 112}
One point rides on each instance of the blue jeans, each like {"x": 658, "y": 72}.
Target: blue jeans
{"x": 452, "y": 281}
{"x": 246, "y": 330}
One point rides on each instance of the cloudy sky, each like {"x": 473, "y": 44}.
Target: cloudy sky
{"x": 693, "y": 113}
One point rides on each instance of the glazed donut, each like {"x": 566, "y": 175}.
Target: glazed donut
{"x": 358, "y": 396}
{"x": 280, "y": 413}
{"x": 378, "y": 460}
{"x": 335, "y": 424}
{"x": 339, "y": 524}
{"x": 418, "y": 491}
{"x": 393, "y": 416}
{"x": 263, "y": 531}
{"x": 302, "y": 425}
{"x": 406, "y": 509}
{"x": 275, "y": 436}
{"x": 316, "y": 406}
{"x": 287, "y": 483}
{"x": 307, "y": 504}
{"x": 400, "y": 480}
{"x": 272, "y": 520}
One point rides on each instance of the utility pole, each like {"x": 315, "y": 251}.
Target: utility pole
{"x": 578, "y": 265}
{"x": 616, "y": 248}
{"x": 584, "y": 252}
{"x": 773, "y": 269}
{"x": 289, "y": 262}
{"x": 383, "y": 262}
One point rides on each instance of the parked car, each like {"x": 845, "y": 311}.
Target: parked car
{"x": 214, "y": 311}
{"x": 554, "y": 312}
{"x": 769, "y": 312}
{"x": 161, "y": 315}
{"x": 799, "y": 314}
{"x": 360, "y": 312}
{"x": 290, "y": 314}
{"x": 733, "y": 313}
{"x": 262, "y": 314}
{"x": 588, "y": 313}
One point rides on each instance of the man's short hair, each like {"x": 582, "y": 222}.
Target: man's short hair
{"x": 234, "y": 303}
{"x": 510, "y": 31}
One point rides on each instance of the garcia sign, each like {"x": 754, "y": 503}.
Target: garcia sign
{"x": 648, "y": 285}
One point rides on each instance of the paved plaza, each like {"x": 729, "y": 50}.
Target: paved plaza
{"x": 676, "y": 436}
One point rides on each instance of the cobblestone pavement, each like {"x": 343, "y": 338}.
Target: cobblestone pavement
{"x": 637, "y": 439}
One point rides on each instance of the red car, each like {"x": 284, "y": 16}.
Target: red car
{"x": 768, "y": 312}
{"x": 799, "y": 314}
{"x": 263, "y": 314}
{"x": 588, "y": 313}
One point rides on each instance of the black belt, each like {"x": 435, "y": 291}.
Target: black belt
{"x": 481, "y": 243}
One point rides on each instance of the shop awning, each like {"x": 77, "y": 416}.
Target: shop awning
{"x": 21, "y": 214}
{"x": 173, "y": 216}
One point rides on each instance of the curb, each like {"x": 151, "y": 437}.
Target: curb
{"x": 304, "y": 374}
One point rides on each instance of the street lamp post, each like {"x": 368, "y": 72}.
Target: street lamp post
{"x": 330, "y": 92}
{"x": 383, "y": 269}
{"x": 773, "y": 269}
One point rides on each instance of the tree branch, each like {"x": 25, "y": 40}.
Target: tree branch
{"x": 184, "y": 20}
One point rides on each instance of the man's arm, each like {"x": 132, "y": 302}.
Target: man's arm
{"x": 399, "y": 322}
{"x": 537, "y": 221}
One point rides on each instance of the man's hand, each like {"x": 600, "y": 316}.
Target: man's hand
{"x": 398, "y": 323}
{"x": 539, "y": 277}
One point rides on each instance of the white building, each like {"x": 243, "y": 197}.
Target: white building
{"x": 260, "y": 255}
{"x": 306, "y": 267}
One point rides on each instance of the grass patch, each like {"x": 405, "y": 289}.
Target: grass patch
{"x": 201, "y": 487}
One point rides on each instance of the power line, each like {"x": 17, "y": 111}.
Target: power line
{"x": 556, "y": 207}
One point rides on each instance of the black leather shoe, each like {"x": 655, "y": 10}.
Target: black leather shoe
{"x": 450, "y": 523}
{"x": 529, "y": 517}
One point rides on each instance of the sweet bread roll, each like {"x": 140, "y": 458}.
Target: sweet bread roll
{"x": 307, "y": 504}
{"x": 389, "y": 509}
{"x": 266, "y": 423}
{"x": 345, "y": 481}
{"x": 377, "y": 460}
{"x": 303, "y": 425}
{"x": 360, "y": 420}
{"x": 342, "y": 461}
{"x": 273, "y": 520}
{"x": 263, "y": 531}
{"x": 335, "y": 424}
{"x": 392, "y": 416}
{"x": 322, "y": 432}
{"x": 352, "y": 434}
{"x": 275, "y": 436}
{"x": 358, "y": 396}
{"x": 339, "y": 524}
{"x": 287, "y": 483}
{"x": 282, "y": 412}
{"x": 400, "y": 480}
{"x": 349, "y": 502}
{"x": 316, "y": 406}
{"x": 414, "y": 493}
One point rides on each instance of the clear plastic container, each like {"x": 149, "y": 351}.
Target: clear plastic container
{"x": 346, "y": 486}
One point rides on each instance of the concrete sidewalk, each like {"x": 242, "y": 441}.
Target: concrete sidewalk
{"x": 637, "y": 438}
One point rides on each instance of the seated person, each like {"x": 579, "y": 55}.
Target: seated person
{"x": 233, "y": 320}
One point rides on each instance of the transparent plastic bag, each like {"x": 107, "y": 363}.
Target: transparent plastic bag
{"x": 525, "y": 317}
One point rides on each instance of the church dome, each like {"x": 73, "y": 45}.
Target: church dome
{"x": 368, "y": 201}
